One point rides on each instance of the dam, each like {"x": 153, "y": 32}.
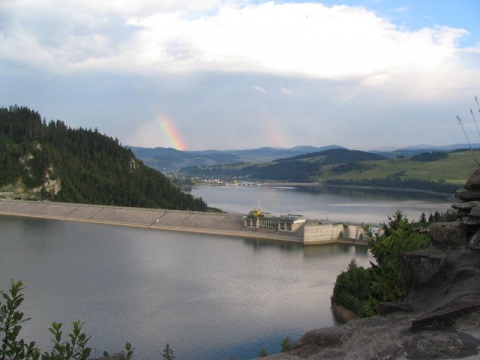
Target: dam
{"x": 308, "y": 232}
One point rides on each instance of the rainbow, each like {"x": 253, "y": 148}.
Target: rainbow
{"x": 274, "y": 131}
{"x": 172, "y": 134}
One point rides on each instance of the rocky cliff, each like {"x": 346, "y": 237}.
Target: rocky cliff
{"x": 439, "y": 318}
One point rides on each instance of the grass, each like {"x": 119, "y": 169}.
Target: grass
{"x": 455, "y": 169}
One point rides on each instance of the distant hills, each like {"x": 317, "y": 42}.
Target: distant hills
{"x": 172, "y": 160}
{"x": 300, "y": 168}
{"x": 434, "y": 169}
{"x": 418, "y": 149}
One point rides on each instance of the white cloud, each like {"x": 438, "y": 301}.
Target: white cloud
{"x": 307, "y": 39}
{"x": 260, "y": 89}
{"x": 402, "y": 9}
{"x": 287, "y": 91}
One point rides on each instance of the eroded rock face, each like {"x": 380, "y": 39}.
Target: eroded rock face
{"x": 439, "y": 318}
{"x": 473, "y": 182}
{"x": 446, "y": 234}
{"x": 386, "y": 337}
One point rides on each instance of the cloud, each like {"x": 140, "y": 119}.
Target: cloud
{"x": 339, "y": 74}
{"x": 305, "y": 39}
{"x": 287, "y": 91}
{"x": 260, "y": 89}
{"x": 402, "y": 9}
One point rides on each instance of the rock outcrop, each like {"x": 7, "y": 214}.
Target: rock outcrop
{"x": 439, "y": 318}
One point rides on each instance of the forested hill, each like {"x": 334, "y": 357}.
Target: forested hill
{"x": 52, "y": 161}
{"x": 302, "y": 168}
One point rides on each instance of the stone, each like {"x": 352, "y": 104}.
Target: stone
{"x": 471, "y": 222}
{"x": 475, "y": 212}
{"x": 465, "y": 205}
{"x": 393, "y": 307}
{"x": 382, "y": 337}
{"x": 474, "y": 242}
{"x": 447, "y": 315}
{"x": 432, "y": 345}
{"x": 473, "y": 182}
{"x": 469, "y": 195}
{"x": 448, "y": 234}
{"x": 422, "y": 269}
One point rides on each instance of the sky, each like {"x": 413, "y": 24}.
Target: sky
{"x": 241, "y": 74}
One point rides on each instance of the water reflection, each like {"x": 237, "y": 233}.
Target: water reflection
{"x": 380, "y": 194}
{"x": 210, "y": 297}
{"x": 258, "y": 244}
{"x": 327, "y": 203}
{"x": 328, "y": 250}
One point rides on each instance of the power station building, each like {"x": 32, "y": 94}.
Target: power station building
{"x": 288, "y": 222}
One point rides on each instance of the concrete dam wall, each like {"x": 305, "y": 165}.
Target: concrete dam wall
{"x": 310, "y": 233}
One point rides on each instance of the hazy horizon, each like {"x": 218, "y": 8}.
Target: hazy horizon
{"x": 380, "y": 148}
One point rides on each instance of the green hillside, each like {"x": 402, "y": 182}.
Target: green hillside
{"x": 301, "y": 168}
{"x": 51, "y": 161}
{"x": 454, "y": 169}
{"x": 437, "y": 171}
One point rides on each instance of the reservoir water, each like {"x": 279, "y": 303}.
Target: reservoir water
{"x": 332, "y": 203}
{"x": 209, "y": 297}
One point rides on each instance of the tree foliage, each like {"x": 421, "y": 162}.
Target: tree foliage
{"x": 301, "y": 168}
{"x": 14, "y": 347}
{"x": 286, "y": 344}
{"x": 430, "y": 156}
{"x": 88, "y": 166}
{"x": 74, "y": 347}
{"x": 351, "y": 166}
{"x": 401, "y": 236}
{"x": 352, "y": 290}
{"x": 361, "y": 290}
{"x": 11, "y": 320}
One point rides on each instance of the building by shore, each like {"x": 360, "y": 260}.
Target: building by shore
{"x": 291, "y": 228}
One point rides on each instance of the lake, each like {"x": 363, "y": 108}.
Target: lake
{"x": 332, "y": 203}
{"x": 209, "y": 297}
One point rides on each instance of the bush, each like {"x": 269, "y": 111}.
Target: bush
{"x": 400, "y": 237}
{"x": 286, "y": 344}
{"x": 263, "y": 353}
{"x": 359, "y": 289}
{"x": 352, "y": 290}
{"x": 15, "y": 348}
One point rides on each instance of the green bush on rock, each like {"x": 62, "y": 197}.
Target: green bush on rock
{"x": 361, "y": 290}
{"x": 352, "y": 290}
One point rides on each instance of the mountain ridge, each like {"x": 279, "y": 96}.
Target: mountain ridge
{"x": 173, "y": 160}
